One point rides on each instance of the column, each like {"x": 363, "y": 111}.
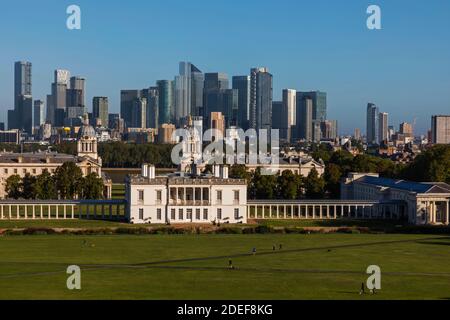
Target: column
{"x": 9, "y": 212}
{"x": 321, "y": 214}
{"x": 342, "y": 211}
{"x": 57, "y": 212}
{"x": 41, "y": 213}
{"x": 65, "y": 211}
{"x": 447, "y": 214}
{"x": 1, "y": 212}
{"x": 73, "y": 211}
{"x": 34, "y": 211}
{"x": 25, "y": 209}
{"x": 299, "y": 208}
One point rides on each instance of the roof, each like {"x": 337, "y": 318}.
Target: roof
{"x": 39, "y": 157}
{"x": 418, "y": 187}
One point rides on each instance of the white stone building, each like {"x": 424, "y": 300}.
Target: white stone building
{"x": 185, "y": 198}
{"x": 425, "y": 203}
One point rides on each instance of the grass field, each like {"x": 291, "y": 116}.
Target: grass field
{"x": 320, "y": 266}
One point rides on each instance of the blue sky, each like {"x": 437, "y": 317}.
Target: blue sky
{"x": 307, "y": 45}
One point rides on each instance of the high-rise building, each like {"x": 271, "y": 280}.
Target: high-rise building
{"x": 22, "y": 80}
{"x": 261, "y": 93}
{"x": 406, "y": 129}
{"x": 166, "y": 101}
{"x": 383, "y": 124}
{"x": 152, "y": 112}
{"x": 19, "y": 117}
{"x": 329, "y": 129}
{"x": 100, "y": 110}
{"x": 289, "y": 113}
{"x": 57, "y": 104}
{"x": 197, "y": 83}
{"x": 242, "y": 85}
{"x": 127, "y": 98}
{"x": 224, "y": 101}
{"x": 372, "y": 124}
{"x": 139, "y": 113}
{"x": 216, "y": 81}
{"x": 440, "y": 129}
{"x": 305, "y": 118}
{"x": 38, "y": 113}
{"x": 319, "y": 100}
{"x": 357, "y": 134}
{"x": 218, "y": 122}
{"x": 278, "y": 117}
{"x": 187, "y": 91}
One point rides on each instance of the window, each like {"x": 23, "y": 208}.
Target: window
{"x": 141, "y": 214}
{"x": 236, "y": 196}
{"x": 158, "y": 214}
{"x": 141, "y": 195}
{"x": 180, "y": 214}
{"x": 197, "y": 214}
{"x": 219, "y": 196}
{"x": 15, "y": 171}
{"x": 189, "y": 214}
{"x": 172, "y": 214}
{"x": 236, "y": 214}
{"x": 205, "y": 214}
{"x": 6, "y": 171}
{"x": 219, "y": 214}
{"x": 158, "y": 196}
{"x": 24, "y": 171}
{"x": 34, "y": 171}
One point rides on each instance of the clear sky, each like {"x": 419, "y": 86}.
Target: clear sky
{"x": 307, "y": 45}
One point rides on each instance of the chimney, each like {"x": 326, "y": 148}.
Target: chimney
{"x": 20, "y": 159}
{"x": 144, "y": 170}
{"x": 151, "y": 171}
{"x": 224, "y": 172}
{"x": 216, "y": 170}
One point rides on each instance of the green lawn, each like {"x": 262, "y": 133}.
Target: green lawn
{"x": 320, "y": 266}
{"x": 76, "y": 224}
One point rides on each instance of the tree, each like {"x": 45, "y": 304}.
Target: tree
{"x": 14, "y": 186}
{"x": 289, "y": 185}
{"x": 68, "y": 178}
{"x": 239, "y": 171}
{"x": 92, "y": 187}
{"x": 45, "y": 188}
{"x": 333, "y": 175}
{"x": 314, "y": 185}
{"x": 28, "y": 186}
{"x": 431, "y": 166}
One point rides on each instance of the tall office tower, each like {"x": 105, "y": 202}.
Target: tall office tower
{"x": 166, "y": 101}
{"x": 440, "y": 129}
{"x": 329, "y": 129}
{"x": 305, "y": 118}
{"x": 316, "y": 131}
{"x": 218, "y": 122}
{"x": 242, "y": 85}
{"x": 289, "y": 113}
{"x": 22, "y": 80}
{"x": 197, "y": 83}
{"x": 216, "y": 81}
{"x": 127, "y": 98}
{"x": 25, "y": 109}
{"x": 58, "y": 102}
{"x": 406, "y": 129}
{"x": 187, "y": 91}
{"x": 372, "y": 124}
{"x": 38, "y": 113}
{"x": 22, "y": 88}
{"x": 139, "y": 113}
{"x": 278, "y": 117}
{"x": 152, "y": 112}
{"x": 357, "y": 134}
{"x": 383, "y": 130}
{"x": 100, "y": 110}
{"x": 319, "y": 100}
{"x": 224, "y": 101}
{"x": 260, "y": 98}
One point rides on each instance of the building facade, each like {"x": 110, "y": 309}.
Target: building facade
{"x": 185, "y": 198}
{"x": 440, "y": 129}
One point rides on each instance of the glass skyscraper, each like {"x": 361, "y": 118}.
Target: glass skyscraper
{"x": 372, "y": 124}
{"x": 166, "y": 101}
{"x": 261, "y": 93}
{"x": 242, "y": 85}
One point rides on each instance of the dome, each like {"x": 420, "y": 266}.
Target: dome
{"x": 86, "y": 131}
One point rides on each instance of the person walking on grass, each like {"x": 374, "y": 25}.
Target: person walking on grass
{"x": 230, "y": 264}
{"x": 254, "y": 251}
{"x": 361, "y": 292}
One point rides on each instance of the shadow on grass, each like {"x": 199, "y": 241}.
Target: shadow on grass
{"x": 443, "y": 242}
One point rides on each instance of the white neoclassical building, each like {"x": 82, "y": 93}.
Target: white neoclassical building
{"x": 186, "y": 197}
{"x": 425, "y": 203}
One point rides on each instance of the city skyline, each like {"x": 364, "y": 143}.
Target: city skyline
{"x": 399, "y": 68}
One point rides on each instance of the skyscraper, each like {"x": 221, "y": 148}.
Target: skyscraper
{"x": 305, "y": 118}
{"x": 152, "y": 112}
{"x": 127, "y": 98}
{"x": 100, "y": 111}
{"x": 38, "y": 113}
{"x": 57, "y": 105}
{"x": 289, "y": 113}
{"x": 166, "y": 101}
{"x": 278, "y": 117}
{"x": 383, "y": 124}
{"x": 260, "y": 98}
{"x": 22, "y": 80}
{"x": 372, "y": 124}
{"x": 329, "y": 129}
{"x": 188, "y": 85}
{"x": 242, "y": 85}
{"x": 319, "y": 100}
{"x": 440, "y": 129}
{"x": 216, "y": 81}
{"x": 139, "y": 113}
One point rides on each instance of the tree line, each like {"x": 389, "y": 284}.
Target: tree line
{"x": 66, "y": 183}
